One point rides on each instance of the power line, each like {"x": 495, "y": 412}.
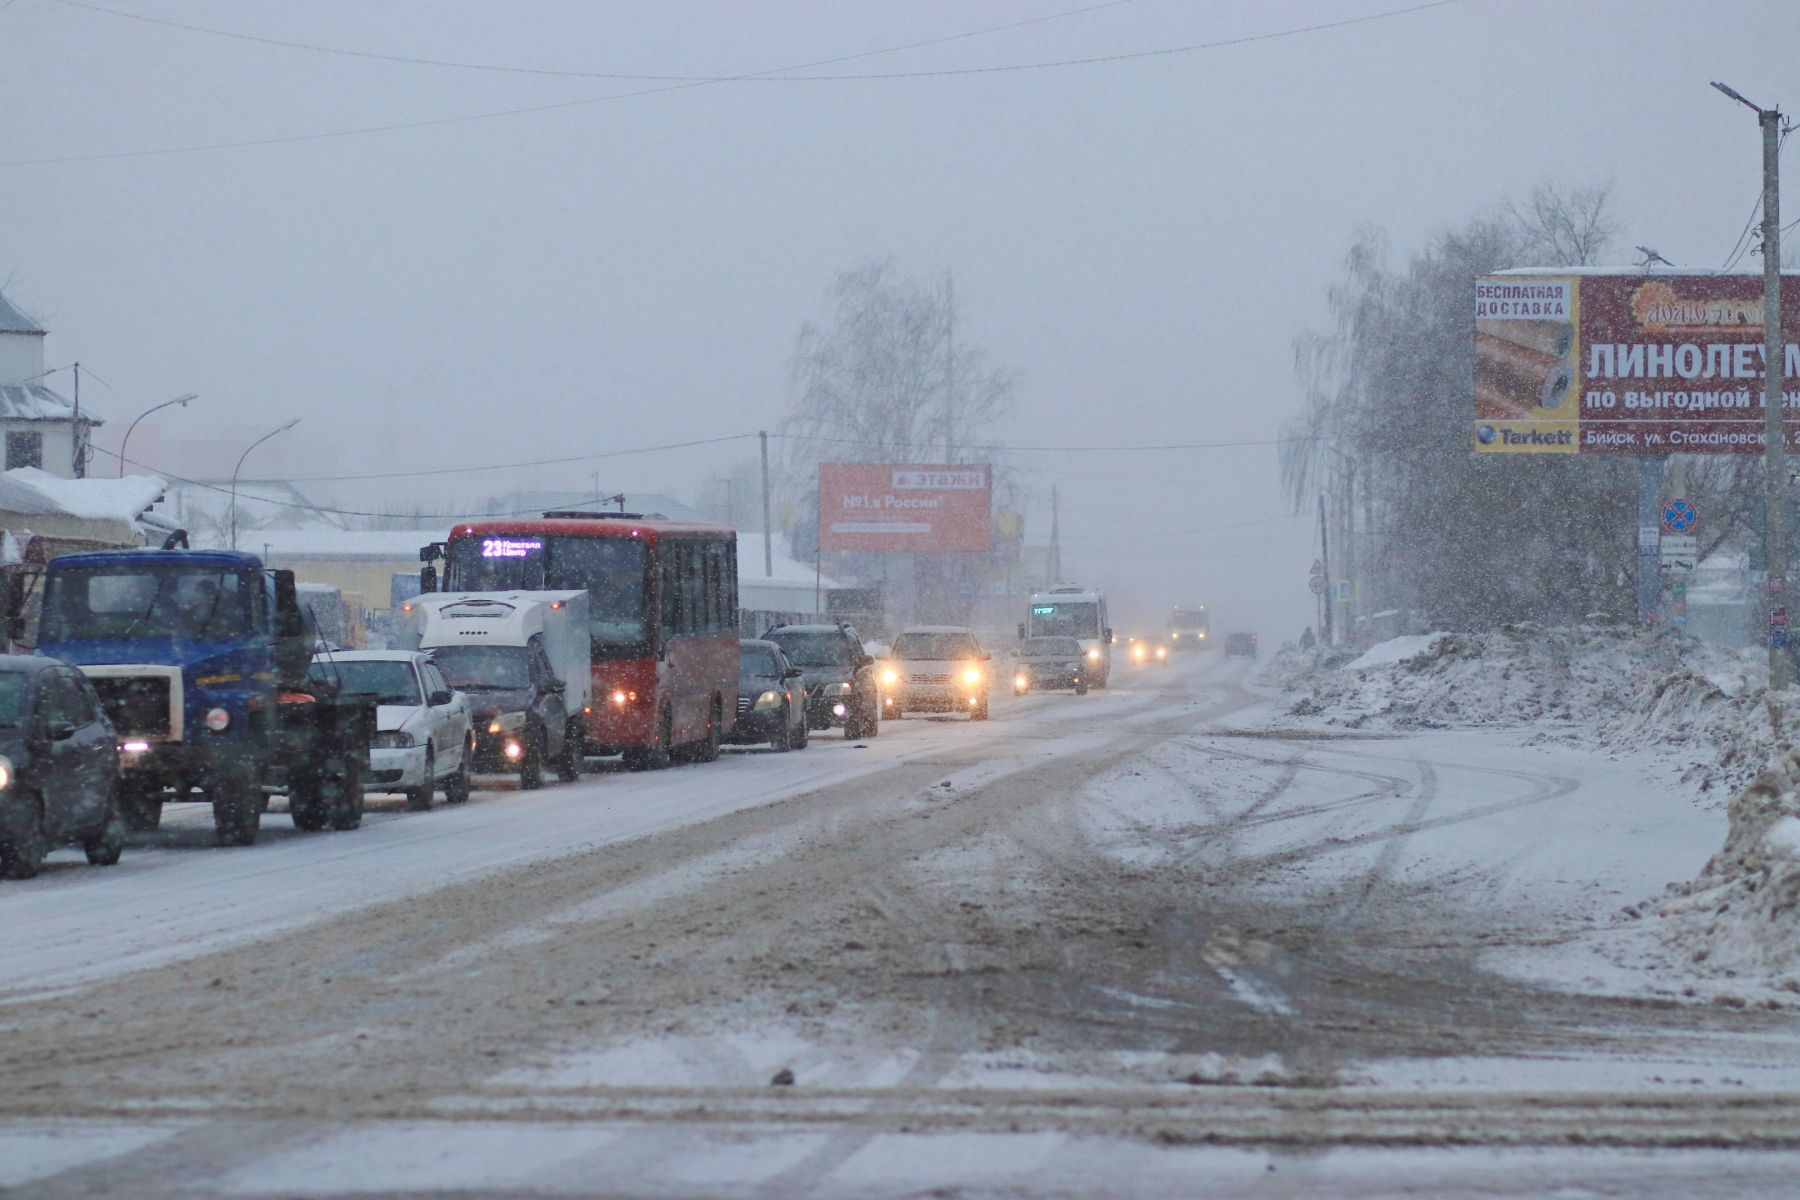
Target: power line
{"x": 774, "y": 74}
{"x": 534, "y": 462}
{"x": 1745, "y": 241}
{"x": 509, "y": 69}
{"x": 1076, "y": 448}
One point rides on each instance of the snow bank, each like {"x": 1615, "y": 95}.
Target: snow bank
{"x": 1395, "y": 650}
{"x": 1741, "y": 915}
{"x": 1700, "y": 711}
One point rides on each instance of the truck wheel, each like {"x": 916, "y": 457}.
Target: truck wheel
{"x": 569, "y": 762}
{"x": 419, "y": 799}
{"x": 344, "y": 798}
{"x": 140, "y": 803}
{"x": 22, "y": 848}
{"x": 531, "y": 763}
{"x": 456, "y": 788}
{"x": 237, "y": 808}
{"x": 306, "y": 803}
{"x": 105, "y": 847}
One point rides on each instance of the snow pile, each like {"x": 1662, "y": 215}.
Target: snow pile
{"x": 1698, "y": 709}
{"x": 1741, "y": 915}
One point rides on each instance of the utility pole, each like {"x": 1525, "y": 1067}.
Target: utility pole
{"x": 1055, "y": 541}
{"x": 79, "y": 464}
{"x": 949, "y": 367}
{"x": 1325, "y": 557}
{"x": 1775, "y": 476}
{"x": 768, "y": 534}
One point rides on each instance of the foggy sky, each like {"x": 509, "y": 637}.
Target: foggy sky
{"x": 1139, "y": 241}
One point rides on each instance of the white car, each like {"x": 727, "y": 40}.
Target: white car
{"x": 422, "y": 736}
{"x": 936, "y": 668}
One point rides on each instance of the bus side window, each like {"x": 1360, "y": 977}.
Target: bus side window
{"x": 671, "y": 594}
{"x": 693, "y": 615}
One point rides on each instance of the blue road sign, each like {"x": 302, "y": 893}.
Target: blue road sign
{"x": 1679, "y": 516}
{"x": 1778, "y": 638}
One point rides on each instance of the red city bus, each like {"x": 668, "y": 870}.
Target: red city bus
{"x": 662, "y": 615}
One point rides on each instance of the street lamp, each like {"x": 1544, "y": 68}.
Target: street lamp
{"x": 1774, "y": 431}
{"x": 181, "y": 400}
{"x": 240, "y": 466}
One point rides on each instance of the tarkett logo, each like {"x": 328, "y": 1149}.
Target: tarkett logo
{"x": 940, "y": 481}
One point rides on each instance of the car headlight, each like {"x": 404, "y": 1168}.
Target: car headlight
{"x": 391, "y": 739}
{"x": 1162, "y": 652}
{"x": 972, "y": 676}
{"x": 890, "y": 676}
{"x": 217, "y": 719}
{"x": 768, "y": 700}
{"x": 844, "y": 689}
{"x": 1094, "y": 654}
{"x": 6, "y": 772}
{"x": 1021, "y": 680}
{"x": 507, "y": 722}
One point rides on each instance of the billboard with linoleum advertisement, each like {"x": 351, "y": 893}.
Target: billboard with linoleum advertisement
{"x": 904, "y": 506}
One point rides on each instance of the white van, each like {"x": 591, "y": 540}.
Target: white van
{"x": 524, "y": 659}
{"x": 1069, "y": 610}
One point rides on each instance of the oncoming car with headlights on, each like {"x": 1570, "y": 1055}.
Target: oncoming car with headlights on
{"x": 938, "y": 668}
{"x": 422, "y": 739}
{"x": 1148, "y": 652}
{"x": 59, "y": 767}
{"x": 1045, "y": 664}
{"x": 771, "y": 703}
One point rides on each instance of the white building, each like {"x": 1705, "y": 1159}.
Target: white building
{"x": 39, "y": 426}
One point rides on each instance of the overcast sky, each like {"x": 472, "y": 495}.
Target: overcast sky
{"x": 1139, "y": 240}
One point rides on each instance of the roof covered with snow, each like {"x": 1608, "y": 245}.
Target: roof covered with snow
{"x": 94, "y": 499}
{"x": 14, "y": 321}
{"x": 373, "y": 545}
{"x": 35, "y": 402}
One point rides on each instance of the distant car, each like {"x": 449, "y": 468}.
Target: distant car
{"x": 1047, "y": 664}
{"x": 1147, "y": 651}
{"x": 938, "y": 668}
{"x": 1241, "y": 644}
{"x": 838, "y": 674}
{"x": 59, "y": 767}
{"x": 771, "y": 704}
{"x": 422, "y": 738}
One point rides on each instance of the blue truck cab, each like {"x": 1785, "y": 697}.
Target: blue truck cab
{"x": 200, "y": 657}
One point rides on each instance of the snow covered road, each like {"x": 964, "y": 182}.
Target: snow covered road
{"x": 1137, "y": 943}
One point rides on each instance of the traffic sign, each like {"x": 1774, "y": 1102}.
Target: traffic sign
{"x": 1346, "y": 591}
{"x": 1679, "y": 553}
{"x": 1318, "y": 567}
{"x": 1778, "y": 618}
{"x": 1648, "y": 536}
{"x": 1778, "y": 638}
{"x": 1317, "y": 584}
{"x": 1679, "y": 516}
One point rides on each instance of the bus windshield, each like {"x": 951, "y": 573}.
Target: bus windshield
{"x": 613, "y": 571}
{"x": 1065, "y": 618}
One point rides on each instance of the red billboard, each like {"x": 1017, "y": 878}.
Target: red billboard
{"x": 904, "y": 506}
{"x": 1626, "y": 363}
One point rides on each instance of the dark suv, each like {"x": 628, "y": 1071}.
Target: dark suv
{"x": 838, "y": 675}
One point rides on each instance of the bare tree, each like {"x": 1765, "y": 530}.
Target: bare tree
{"x": 1564, "y": 226}
{"x": 885, "y": 383}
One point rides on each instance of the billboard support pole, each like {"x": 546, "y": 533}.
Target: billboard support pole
{"x": 1775, "y": 449}
{"x": 1649, "y": 555}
